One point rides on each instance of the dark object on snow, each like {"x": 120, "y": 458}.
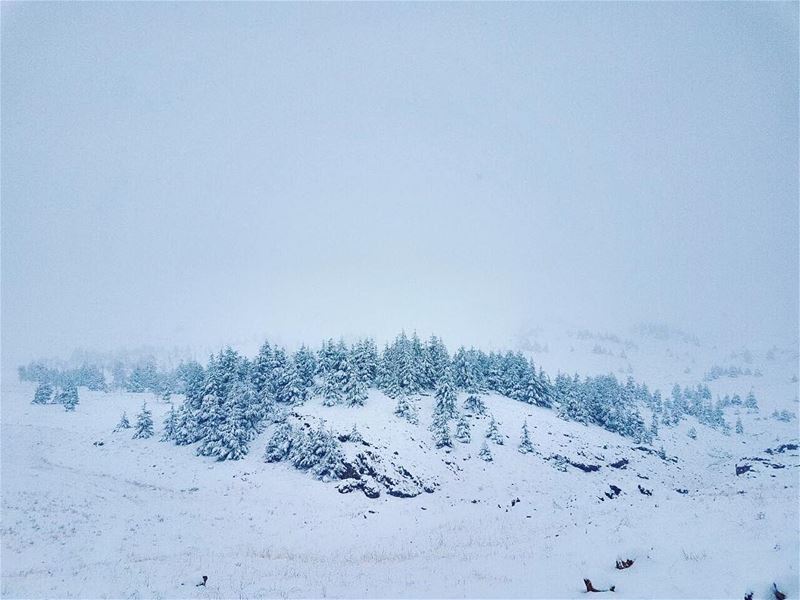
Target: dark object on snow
{"x": 682, "y": 490}
{"x": 742, "y": 469}
{"x": 624, "y": 564}
{"x": 205, "y": 578}
{"x": 620, "y": 464}
{"x": 665, "y": 458}
{"x": 615, "y": 491}
{"x": 779, "y": 595}
{"x": 748, "y": 596}
{"x": 781, "y": 449}
{"x": 514, "y": 501}
{"x": 591, "y": 588}
{"x": 645, "y": 491}
{"x": 583, "y": 467}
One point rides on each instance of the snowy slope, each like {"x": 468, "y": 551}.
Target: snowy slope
{"x": 143, "y": 518}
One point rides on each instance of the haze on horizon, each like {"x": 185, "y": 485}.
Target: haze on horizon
{"x": 195, "y": 173}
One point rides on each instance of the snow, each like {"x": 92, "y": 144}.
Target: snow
{"x": 144, "y": 518}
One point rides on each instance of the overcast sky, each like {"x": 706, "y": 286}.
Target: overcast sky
{"x": 197, "y": 173}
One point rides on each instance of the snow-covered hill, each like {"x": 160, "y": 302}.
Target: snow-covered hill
{"x": 91, "y": 513}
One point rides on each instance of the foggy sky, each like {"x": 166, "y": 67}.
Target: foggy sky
{"x": 200, "y": 173}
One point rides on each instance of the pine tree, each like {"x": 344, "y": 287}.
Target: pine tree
{"x": 463, "y": 429}
{"x": 654, "y": 425}
{"x": 144, "y": 423}
{"x": 525, "y": 445}
{"x": 692, "y": 433}
{"x": 123, "y": 422}
{"x": 69, "y": 397}
{"x": 485, "y": 454}
{"x": 234, "y": 433}
{"x": 493, "y": 433}
{"x": 170, "y": 425}
{"x": 355, "y": 390}
{"x": 534, "y": 390}
{"x": 441, "y": 430}
{"x": 406, "y": 409}
{"x": 44, "y": 394}
{"x": 261, "y": 372}
{"x": 446, "y": 399}
{"x": 186, "y": 430}
{"x": 327, "y": 454}
{"x": 355, "y": 435}
{"x": 306, "y": 366}
{"x": 290, "y": 387}
{"x": 280, "y": 444}
{"x": 475, "y": 405}
{"x": 750, "y": 403}
{"x": 435, "y": 363}
{"x": 332, "y": 388}
{"x": 739, "y": 428}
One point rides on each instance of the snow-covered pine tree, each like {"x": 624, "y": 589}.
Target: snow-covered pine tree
{"x": 235, "y": 432}
{"x": 144, "y": 423}
{"x": 44, "y": 394}
{"x": 692, "y": 433}
{"x": 406, "y": 409}
{"x": 326, "y": 448}
{"x": 290, "y": 387}
{"x": 278, "y": 365}
{"x": 525, "y": 445}
{"x": 441, "y": 430}
{"x": 306, "y": 366}
{"x": 466, "y": 372}
{"x": 355, "y": 389}
{"x": 69, "y": 396}
{"x": 186, "y": 425}
{"x": 332, "y": 384}
{"x": 654, "y": 425}
{"x": 124, "y": 423}
{"x": 493, "y": 432}
{"x": 446, "y": 399}
{"x": 280, "y": 444}
{"x": 463, "y": 429}
{"x": 739, "y": 427}
{"x": 475, "y": 405}
{"x": 170, "y": 425}
{"x": 355, "y": 435}
{"x": 406, "y": 367}
{"x": 364, "y": 360}
{"x": 534, "y": 388}
{"x": 261, "y": 370}
{"x": 750, "y": 402}
{"x": 485, "y": 454}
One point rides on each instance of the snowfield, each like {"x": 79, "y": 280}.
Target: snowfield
{"x": 89, "y": 513}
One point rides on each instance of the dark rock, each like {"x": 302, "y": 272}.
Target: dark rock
{"x": 781, "y": 449}
{"x": 620, "y": 464}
